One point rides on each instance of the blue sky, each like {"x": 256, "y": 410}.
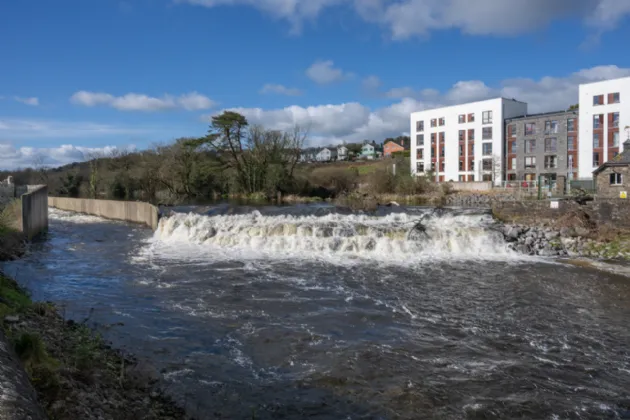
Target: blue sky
{"x": 79, "y": 76}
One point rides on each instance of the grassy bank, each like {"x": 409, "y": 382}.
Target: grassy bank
{"x": 12, "y": 243}
{"x": 76, "y": 374}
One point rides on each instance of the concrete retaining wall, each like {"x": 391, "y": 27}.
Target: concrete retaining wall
{"x": 128, "y": 211}
{"x": 472, "y": 186}
{"x": 35, "y": 211}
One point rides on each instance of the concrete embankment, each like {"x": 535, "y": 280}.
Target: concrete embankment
{"x": 34, "y": 211}
{"x": 18, "y": 399}
{"x": 128, "y": 211}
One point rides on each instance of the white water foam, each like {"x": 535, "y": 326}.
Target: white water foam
{"x": 332, "y": 238}
{"x": 70, "y": 216}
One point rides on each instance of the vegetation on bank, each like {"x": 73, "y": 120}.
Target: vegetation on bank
{"x": 12, "y": 243}
{"x": 234, "y": 160}
{"x": 75, "y": 373}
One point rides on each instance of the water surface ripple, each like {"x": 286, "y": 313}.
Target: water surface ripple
{"x": 291, "y": 328}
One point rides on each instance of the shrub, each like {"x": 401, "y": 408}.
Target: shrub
{"x": 339, "y": 179}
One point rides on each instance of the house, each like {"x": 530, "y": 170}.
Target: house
{"x": 327, "y": 154}
{"x": 399, "y": 144}
{"x": 368, "y": 151}
{"x": 309, "y": 154}
{"x": 342, "y": 153}
{"x": 612, "y": 178}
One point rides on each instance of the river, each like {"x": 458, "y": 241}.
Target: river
{"x": 307, "y": 311}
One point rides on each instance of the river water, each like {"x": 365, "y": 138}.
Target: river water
{"x": 304, "y": 311}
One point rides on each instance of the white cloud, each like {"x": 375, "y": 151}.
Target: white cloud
{"x": 33, "y": 101}
{"x": 324, "y": 72}
{"x": 355, "y": 122}
{"x": 12, "y": 157}
{"x": 20, "y": 129}
{"x": 293, "y": 11}
{"x": 371, "y": 82}
{"x": 280, "y": 90}
{"x": 192, "y": 101}
{"x": 408, "y": 18}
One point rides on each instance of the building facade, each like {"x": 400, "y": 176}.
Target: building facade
{"x": 393, "y": 146}
{"x": 542, "y": 144}
{"x": 612, "y": 178}
{"x": 604, "y": 116}
{"x": 462, "y": 142}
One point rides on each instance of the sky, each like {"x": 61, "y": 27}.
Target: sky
{"x": 78, "y": 77}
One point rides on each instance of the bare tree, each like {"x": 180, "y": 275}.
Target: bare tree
{"x": 96, "y": 160}
{"x": 39, "y": 165}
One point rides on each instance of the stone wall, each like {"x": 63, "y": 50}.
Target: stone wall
{"x": 602, "y": 181}
{"x": 612, "y": 212}
{"x": 35, "y": 211}
{"x": 128, "y": 211}
{"x": 7, "y": 194}
{"x": 472, "y": 186}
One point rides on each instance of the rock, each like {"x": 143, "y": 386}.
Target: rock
{"x": 580, "y": 231}
{"x": 12, "y": 319}
{"x": 523, "y": 249}
{"x": 529, "y": 240}
{"x": 551, "y": 235}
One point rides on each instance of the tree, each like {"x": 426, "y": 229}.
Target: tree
{"x": 254, "y": 153}
{"x": 574, "y": 107}
{"x": 95, "y": 161}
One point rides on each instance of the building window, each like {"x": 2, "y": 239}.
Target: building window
{"x": 420, "y": 167}
{"x": 419, "y": 154}
{"x": 486, "y": 164}
{"x": 471, "y": 134}
{"x": 571, "y": 143}
{"x": 472, "y": 165}
{"x": 433, "y": 122}
{"x": 570, "y": 162}
{"x": 461, "y": 119}
{"x": 461, "y": 165}
{"x": 615, "y": 179}
{"x": 433, "y": 137}
{"x": 432, "y": 152}
{"x": 461, "y": 150}
{"x": 598, "y": 100}
{"x": 512, "y": 130}
{"x": 551, "y": 127}
{"x": 530, "y": 162}
{"x": 596, "y": 159}
{"x": 513, "y": 147}
{"x": 486, "y": 133}
{"x": 530, "y": 129}
{"x": 486, "y": 149}
{"x": 471, "y": 117}
{"x": 419, "y": 125}
{"x": 551, "y": 162}
{"x": 442, "y": 136}
{"x": 615, "y": 119}
{"x": 441, "y": 152}
{"x": 420, "y": 139}
{"x": 550, "y": 145}
{"x": 462, "y": 178}
{"x": 615, "y": 139}
{"x": 433, "y": 166}
{"x": 487, "y": 117}
{"x": 513, "y": 164}
{"x": 598, "y": 121}
{"x": 571, "y": 124}
{"x": 462, "y": 135}
{"x": 596, "y": 140}
{"x": 613, "y": 98}
{"x": 530, "y": 146}
{"x": 442, "y": 121}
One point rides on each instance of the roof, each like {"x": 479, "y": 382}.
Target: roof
{"x": 470, "y": 103}
{"x": 401, "y": 142}
{"x": 622, "y": 159}
{"x": 543, "y": 114}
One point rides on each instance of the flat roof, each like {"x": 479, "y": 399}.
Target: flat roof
{"x": 542, "y": 114}
{"x": 471, "y": 103}
{"x": 606, "y": 80}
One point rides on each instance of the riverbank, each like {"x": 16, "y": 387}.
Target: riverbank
{"x": 75, "y": 373}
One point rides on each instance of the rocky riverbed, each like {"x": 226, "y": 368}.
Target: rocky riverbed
{"x": 567, "y": 241}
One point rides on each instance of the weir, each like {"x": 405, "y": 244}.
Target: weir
{"x": 396, "y": 236}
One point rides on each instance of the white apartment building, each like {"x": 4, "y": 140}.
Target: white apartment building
{"x": 604, "y": 116}
{"x": 462, "y": 142}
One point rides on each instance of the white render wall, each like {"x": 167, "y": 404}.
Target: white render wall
{"x": 501, "y": 109}
{"x": 587, "y": 110}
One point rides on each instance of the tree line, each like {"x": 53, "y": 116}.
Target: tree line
{"x": 233, "y": 158}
